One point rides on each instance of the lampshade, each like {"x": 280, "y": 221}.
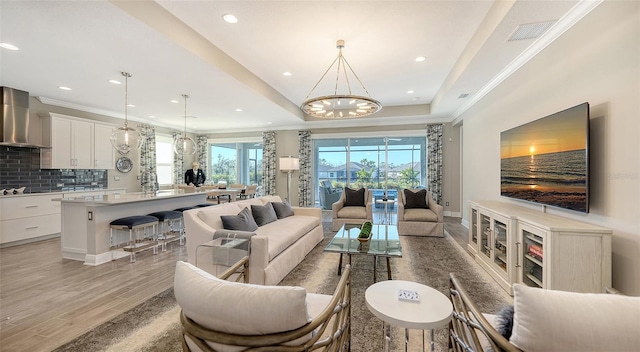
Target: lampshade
{"x": 340, "y": 105}
{"x": 289, "y": 163}
{"x": 184, "y": 144}
{"x": 125, "y": 138}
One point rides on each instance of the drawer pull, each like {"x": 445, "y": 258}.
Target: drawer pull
{"x": 31, "y": 206}
{"x": 31, "y": 227}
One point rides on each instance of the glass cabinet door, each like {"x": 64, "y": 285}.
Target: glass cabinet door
{"x": 474, "y": 227}
{"x": 485, "y": 234}
{"x": 500, "y": 244}
{"x": 533, "y": 259}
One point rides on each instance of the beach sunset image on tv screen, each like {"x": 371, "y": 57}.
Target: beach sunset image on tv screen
{"x": 546, "y": 161}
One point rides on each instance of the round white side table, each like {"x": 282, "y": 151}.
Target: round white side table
{"x": 432, "y": 311}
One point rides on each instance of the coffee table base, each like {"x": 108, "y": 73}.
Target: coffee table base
{"x": 386, "y": 338}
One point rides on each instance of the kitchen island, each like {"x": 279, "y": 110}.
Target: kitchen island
{"x": 85, "y": 233}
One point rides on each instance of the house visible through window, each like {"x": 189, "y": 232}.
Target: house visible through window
{"x": 164, "y": 159}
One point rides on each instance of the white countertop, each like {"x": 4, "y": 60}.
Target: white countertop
{"x": 114, "y": 199}
{"x": 61, "y": 193}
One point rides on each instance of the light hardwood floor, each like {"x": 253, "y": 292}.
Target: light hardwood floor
{"x": 46, "y": 301}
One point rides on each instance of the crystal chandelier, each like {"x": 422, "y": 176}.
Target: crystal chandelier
{"x": 125, "y": 138}
{"x": 185, "y": 145}
{"x": 337, "y": 106}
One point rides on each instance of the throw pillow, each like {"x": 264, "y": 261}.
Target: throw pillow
{"x": 354, "y": 198}
{"x": 504, "y": 321}
{"x": 283, "y": 209}
{"x": 263, "y": 214}
{"x": 241, "y": 222}
{"x": 415, "y": 200}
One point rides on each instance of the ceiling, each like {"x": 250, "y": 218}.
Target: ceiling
{"x": 184, "y": 47}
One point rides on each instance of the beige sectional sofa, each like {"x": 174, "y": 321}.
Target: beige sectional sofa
{"x": 276, "y": 247}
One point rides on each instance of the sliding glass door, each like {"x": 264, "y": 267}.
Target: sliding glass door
{"x": 236, "y": 163}
{"x": 383, "y": 164}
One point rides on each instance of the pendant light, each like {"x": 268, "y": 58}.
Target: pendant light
{"x": 340, "y": 105}
{"x": 125, "y": 138}
{"x": 185, "y": 145}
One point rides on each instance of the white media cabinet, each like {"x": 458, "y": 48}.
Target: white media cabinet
{"x": 521, "y": 245}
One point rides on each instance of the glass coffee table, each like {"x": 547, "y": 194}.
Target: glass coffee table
{"x": 384, "y": 242}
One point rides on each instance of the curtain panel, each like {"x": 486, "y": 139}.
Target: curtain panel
{"x": 203, "y": 145}
{"x": 304, "y": 177}
{"x": 434, "y": 157}
{"x": 148, "y": 175}
{"x": 269, "y": 163}
{"x": 178, "y": 160}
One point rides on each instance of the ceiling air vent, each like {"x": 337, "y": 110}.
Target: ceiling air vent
{"x": 463, "y": 95}
{"x": 530, "y": 30}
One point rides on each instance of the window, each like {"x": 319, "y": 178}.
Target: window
{"x": 236, "y": 162}
{"x": 164, "y": 159}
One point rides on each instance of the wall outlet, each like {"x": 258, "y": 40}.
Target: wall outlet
{"x": 116, "y": 178}
{"x": 446, "y": 204}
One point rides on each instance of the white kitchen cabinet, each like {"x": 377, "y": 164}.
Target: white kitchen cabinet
{"x": 104, "y": 153}
{"x": 521, "y": 245}
{"x": 29, "y": 216}
{"x": 76, "y": 144}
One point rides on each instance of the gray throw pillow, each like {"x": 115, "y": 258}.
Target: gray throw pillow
{"x": 504, "y": 321}
{"x": 263, "y": 214}
{"x": 353, "y": 198}
{"x": 241, "y": 222}
{"x": 282, "y": 209}
{"x": 415, "y": 200}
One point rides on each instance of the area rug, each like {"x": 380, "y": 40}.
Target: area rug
{"x": 154, "y": 325}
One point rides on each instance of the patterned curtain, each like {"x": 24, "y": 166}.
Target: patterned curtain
{"x": 304, "y": 177}
{"x": 269, "y": 167}
{"x": 148, "y": 175}
{"x": 178, "y": 162}
{"x": 203, "y": 145}
{"x": 434, "y": 161}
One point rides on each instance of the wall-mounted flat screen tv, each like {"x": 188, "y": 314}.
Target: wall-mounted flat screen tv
{"x": 547, "y": 161}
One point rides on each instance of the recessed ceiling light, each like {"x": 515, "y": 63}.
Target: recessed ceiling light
{"x": 239, "y": 110}
{"x": 420, "y": 58}
{"x": 410, "y": 92}
{"x": 269, "y": 122}
{"x": 174, "y": 101}
{"x": 287, "y": 73}
{"x": 64, "y": 88}
{"x": 131, "y": 105}
{"x": 8, "y": 46}
{"x": 229, "y": 18}
{"x": 114, "y": 81}
{"x": 151, "y": 116}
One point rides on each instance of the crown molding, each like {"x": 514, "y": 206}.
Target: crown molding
{"x": 567, "y": 21}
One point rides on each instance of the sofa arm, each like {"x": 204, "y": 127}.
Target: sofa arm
{"x": 317, "y": 212}
{"x": 400, "y": 210}
{"x": 335, "y": 207}
{"x": 258, "y": 253}
{"x": 436, "y": 208}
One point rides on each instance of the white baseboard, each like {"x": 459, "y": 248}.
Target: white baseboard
{"x": 94, "y": 260}
{"x": 465, "y": 223}
{"x": 453, "y": 214}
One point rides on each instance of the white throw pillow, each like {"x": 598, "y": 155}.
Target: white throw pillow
{"x": 238, "y": 308}
{"x": 549, "y": 320}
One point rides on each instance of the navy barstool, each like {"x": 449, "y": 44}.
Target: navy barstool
{"x": 204, "y": 205}
{"x": 170, "y": 222}
{"x": 134, "y": 224}
{"x": 183, "y": 209}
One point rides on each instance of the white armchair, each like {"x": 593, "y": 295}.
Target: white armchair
{"x": 219, "y": 315}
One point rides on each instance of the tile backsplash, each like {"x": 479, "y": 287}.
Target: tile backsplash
{"x": 20, "y": 167}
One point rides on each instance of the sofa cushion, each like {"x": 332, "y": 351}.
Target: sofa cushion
{"x": 415, "y": 200}
{"x": 238, "y": 308}
{"x": 354, "y": 198}
{"x": 211, "y": 215}
{"x": 284, "y": 232}
{"x": 422, "y": 215}
{"x": 242, "y": 222}
{"x": 549, "y": 320}
{"x": 353, "y": 213}
{"x": 283, "y": 209}
{"x": 263, "y": 214}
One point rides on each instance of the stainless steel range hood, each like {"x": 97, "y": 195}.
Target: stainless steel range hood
{"x": 14, "y": 130}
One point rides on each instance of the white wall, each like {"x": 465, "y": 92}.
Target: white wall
{"x": 596, "y": 61}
